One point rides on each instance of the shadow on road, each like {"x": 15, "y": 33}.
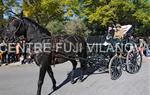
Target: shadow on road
{"x": 87, "y": 73}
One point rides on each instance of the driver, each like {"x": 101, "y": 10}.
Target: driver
{"x": 110, "y": 32}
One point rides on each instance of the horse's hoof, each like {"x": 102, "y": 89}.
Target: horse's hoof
{"x": 72, "y": 82}
{"x": 55, "y": 88}
{"x": 81, "y": 79}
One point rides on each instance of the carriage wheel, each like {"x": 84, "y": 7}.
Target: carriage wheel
{"x": 115, "y": 69}
{"x": 134, "y": 61}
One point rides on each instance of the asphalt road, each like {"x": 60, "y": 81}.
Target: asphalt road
{"x": 22, "y": 80}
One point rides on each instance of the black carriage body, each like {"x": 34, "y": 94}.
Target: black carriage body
{"x": 114, "y": 60}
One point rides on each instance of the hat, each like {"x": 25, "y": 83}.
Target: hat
{"x": 118, "y": 25}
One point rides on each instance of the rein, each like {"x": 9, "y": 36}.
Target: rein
{"x": 54, "y": 40}
{"x": 13, "y": 35}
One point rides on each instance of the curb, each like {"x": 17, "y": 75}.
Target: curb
{"x": 2, "y": 65}
{"x": 11, "y": 64}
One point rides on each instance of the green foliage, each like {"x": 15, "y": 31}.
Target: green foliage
{"x": 93, "y": 15}
{"x": 56, "y": 27}
{"x": 1, "y": 13}
{"x": 43, "y": 11}
{"x": 5, "y": 7}
{"x": 103, "y": 12}
{"x": 76, "y": 27}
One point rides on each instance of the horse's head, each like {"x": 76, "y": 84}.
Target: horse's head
{"x": 24, "y": 27}
{"x": 17, "y": 27}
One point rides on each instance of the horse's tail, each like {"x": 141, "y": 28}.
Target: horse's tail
{"x": 85, "y": 49}
{"x": 83, "y": 53}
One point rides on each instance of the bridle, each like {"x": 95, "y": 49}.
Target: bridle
{"x": 18, "y": 28}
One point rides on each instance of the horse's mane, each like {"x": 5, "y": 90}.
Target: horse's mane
{"x": 42, "y": 29}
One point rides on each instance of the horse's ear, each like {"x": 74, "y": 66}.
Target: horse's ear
{"x": 21, "y": 14}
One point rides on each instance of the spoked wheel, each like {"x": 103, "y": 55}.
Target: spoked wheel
{"x": 133, "y": 61}
{"x": 115, "y": 69}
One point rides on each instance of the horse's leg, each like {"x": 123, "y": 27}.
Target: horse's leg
{"x": 41, "y": 79}
{"x": 74, "y": 63}
{"x": 83, "y": 64}
{"x": 50, "y": 72}
{"x": 8, "y": 60}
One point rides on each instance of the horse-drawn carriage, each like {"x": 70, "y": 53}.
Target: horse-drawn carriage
{"x": 115, "y": 54}
{"x": 114, "y": 60}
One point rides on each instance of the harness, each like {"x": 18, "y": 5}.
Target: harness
{"x": 53, "y": 40}
{"x": 57, "y": 54}
{"x": 18, "y": 28}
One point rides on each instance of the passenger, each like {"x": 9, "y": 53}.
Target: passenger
{"x": 119, "y": 33}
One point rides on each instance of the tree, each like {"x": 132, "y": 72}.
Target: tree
{"x": 96, "y": 15}
{"x": 99, "y": 13}
{"x": 5, "y": 7}
{"x": 43, "y": 11}
{"x": 56, "y": 27}
{"x": 1, "y": 13}
{"x": 76, "y": 27}
{"x": 142, "y": 15}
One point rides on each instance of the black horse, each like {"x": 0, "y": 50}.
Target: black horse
{"x": 34, "y": 33}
